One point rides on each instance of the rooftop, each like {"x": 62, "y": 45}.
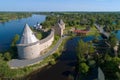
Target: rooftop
{"x": 28, "y": 36}
{"x": 80, "y": 31}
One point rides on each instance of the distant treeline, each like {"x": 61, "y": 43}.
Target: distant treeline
{"x": 110, "y": 20}
{"x": 6, "y": 16}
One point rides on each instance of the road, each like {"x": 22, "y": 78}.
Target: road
{"x": 17, "y": 63}
{"x": 102, "y": 30}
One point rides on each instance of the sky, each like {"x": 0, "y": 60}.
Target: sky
{"x": 59, "y": 5}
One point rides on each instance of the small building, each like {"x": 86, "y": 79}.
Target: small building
{"x": 59, "y": 27}
{"x": 80, "y": 32}
{"x": 38, "y": 26}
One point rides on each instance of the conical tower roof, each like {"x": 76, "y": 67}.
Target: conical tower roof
{"x": 27, "y": 36}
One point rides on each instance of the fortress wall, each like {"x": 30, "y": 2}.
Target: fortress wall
{"x": 30, "y": 51}
{"x": 45, "y": 43}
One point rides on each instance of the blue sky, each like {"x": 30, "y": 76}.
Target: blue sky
{"x": 60, "y": 5}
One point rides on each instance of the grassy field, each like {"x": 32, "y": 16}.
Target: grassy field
{"x": 93, "y": 31}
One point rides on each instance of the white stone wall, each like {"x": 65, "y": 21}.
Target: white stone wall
{"x": 46, "y": 44}
{"x": 31, "y": 51}
{"x": 28, "y": 52}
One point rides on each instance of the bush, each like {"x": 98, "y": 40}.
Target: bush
{"x": 7, "y": 56}
{"x": 84, "y": 68}
{"x": 15, "y": 39}
{"x": 56, "y": 37}
{"x": 56, "y": 55}
{"x": 1, "y": 56}
{"x": 118, "y": 75}
{"x": 91, "y": 63}
{"x": 52, "y": 62}
{"x": 71, "y": 77}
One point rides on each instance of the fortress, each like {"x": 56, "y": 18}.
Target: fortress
{"x": 30, "y": 47}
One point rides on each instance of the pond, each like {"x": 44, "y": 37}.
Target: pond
{"x": 9, "y": 29}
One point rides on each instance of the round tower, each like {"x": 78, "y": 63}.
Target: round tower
{"x": 28, "y": 48}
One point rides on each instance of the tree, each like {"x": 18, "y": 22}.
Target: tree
{"x": 7, "y": 56}
{"x": 113, "y": 42}
{"x": 91, "y": 63}
{"x": 107, "y": 57}
{"x": 84, "y": 68}
{"x": 13, "y": 49}
{"x": 116, "y": 60}
{"x": 91, "y": 48}
{"x": 81, "y": 49}
{"x": 1, "y": 56}
{"x": 118, "y": 75}
{"x": 15, "y": 39}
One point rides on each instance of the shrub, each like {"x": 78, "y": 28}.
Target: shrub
{"x": 1, "y": 56}
{"x": 56, "y": 55}
{"x": 84, "y": 68}
{"x": 91, "y": 63}
{"x": 52, "y": 62}
{"x": 7, "y": 56}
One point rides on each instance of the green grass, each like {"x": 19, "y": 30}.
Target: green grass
{"x": 6, "y": 72}
{"x": 93, "y": 31}
{"x": 39, "y": 35}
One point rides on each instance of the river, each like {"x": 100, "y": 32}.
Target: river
{"x": 65, "y": 65}
{"x": 9, "y": 29}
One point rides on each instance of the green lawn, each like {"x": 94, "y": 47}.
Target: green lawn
{"x": 93, "y": 31}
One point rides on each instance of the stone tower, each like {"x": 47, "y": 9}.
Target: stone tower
{"x": 59, "y": 27}
{"x": 28, "y": 48}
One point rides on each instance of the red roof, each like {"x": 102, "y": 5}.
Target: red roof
{"x": 80, "y": 31}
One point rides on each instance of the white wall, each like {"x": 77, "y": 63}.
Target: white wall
{"x": 33, "y": 50}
